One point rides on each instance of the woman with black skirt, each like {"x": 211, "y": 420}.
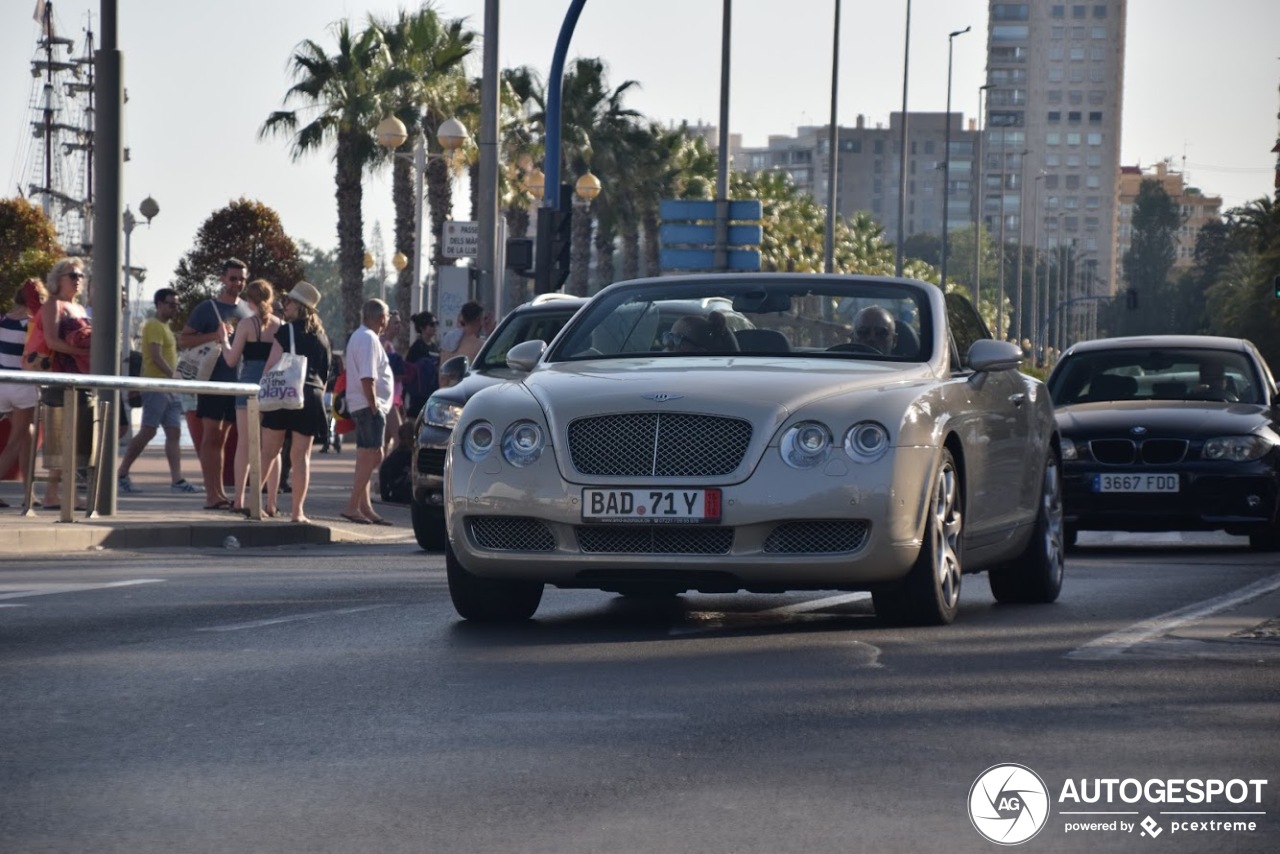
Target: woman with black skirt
{"x": 309, "y": 339}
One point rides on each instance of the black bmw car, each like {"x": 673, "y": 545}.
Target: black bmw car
{"x": 540, "y": 319}
{"x": 1169, "y": 433}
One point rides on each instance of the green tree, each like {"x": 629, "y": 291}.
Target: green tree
{"x": 28, "y": 246}
{"x": 1149, "y": 260}
{"x": 338, "y": 91}
{"x": 1241, "y": 303}
{"x": 244, "y": 229}
{"x": 674, "y": 164}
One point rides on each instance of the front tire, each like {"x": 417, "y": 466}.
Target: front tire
{"x": 489, "y": 600}
{"x": 930, "y": 594}
{"x": 428, "y": 527}
{"x": 1036, "y": 574}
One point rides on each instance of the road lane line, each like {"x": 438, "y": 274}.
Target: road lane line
{"x": 1118, "y": 643}
{"x": 22, "y": 591}
{"x": 257, "y": 624}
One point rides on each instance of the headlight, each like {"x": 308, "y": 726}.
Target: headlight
{"x": 477, "y": 442}
{"x": 1236, "y": 449}
{"x": 866, "y": 441}
{"x": 522, "y": 444}
{"x": 806, "y": 445}
{"x": 1069, "y": 450}
{"x": 442, "y": 413}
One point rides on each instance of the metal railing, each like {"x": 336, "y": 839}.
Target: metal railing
{"x": 71, "y": 384}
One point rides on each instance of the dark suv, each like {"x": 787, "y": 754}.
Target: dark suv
{"x": 537, "y": 320}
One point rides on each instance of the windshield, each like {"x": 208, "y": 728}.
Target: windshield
{"x": 1165, "y": 374}
{"x": 523, "y": 326}
{"x": 724, "y": 315}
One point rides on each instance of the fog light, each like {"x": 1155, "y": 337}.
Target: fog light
{"x": 1253, "y": 501}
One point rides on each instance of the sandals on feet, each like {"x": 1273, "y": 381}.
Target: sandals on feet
{"x": 358, "y": 520}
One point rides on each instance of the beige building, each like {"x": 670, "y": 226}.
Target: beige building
{"x": 1196, "y": 208}
{"x": 868, "y": 168}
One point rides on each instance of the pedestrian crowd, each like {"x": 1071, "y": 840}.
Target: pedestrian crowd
{"x": 368, "y": 393}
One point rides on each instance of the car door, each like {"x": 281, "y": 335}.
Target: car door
{"x": 997, "y": 433}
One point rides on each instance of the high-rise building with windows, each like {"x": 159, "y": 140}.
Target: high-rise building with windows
{"x": 869, "y": 170}
{"x": 1055, "y": 82}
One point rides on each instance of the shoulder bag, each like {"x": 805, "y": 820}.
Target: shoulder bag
{"x": 281, "y": 387}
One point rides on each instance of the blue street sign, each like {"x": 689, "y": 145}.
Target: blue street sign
{"x": 681, "y": 233}
{"x": 743, "y": 260}
{"x": 741, "y": 210}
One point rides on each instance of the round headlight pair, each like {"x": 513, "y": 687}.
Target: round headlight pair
{"x": 522, "y": 443}
{"x": 808, "y": 444}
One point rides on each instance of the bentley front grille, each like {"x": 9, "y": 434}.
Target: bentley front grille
{"x": 652, "y": 444}
{"x": 817, "y": 537}
{"x": 654, "y": 539}
{"x": 512, "y": 534}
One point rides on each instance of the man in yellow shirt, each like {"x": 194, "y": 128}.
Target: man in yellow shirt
{"x": 159, "y": 408}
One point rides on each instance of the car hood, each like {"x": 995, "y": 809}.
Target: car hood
{"x": 1162, "y": 417}
{"x": 763, "y": 390}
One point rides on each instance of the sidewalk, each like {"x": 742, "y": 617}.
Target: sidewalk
{"x": 157, "y": 517}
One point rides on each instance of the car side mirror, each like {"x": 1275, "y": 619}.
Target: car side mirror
{"x": 453, "y": 370}
{"x": 525, "y": 355}
{"x": 987, "y": 354}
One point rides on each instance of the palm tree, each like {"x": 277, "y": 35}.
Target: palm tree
{"x": 594, "y": 124}
{"x": 338, "y": 90}
{"x": 422, "y": 67}
{"x": 675, "y": 165}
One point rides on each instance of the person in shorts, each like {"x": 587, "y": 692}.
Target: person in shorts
{"x": 217, "y": 411}
{"x": 160, "y": 409}
{"x": 369, "y": 396}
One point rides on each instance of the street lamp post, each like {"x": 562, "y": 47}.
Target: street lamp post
{"x": 391, "y": 134}
{"x": 148, "y": 208}
{"x": 946, "y": 158}
{"x": 1022, "y": 239}
{"x": 981, "y": 206}
{"x": 902, "y": 150}
{"x": 1035, "y": 265}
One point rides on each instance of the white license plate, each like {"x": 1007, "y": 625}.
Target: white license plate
{"x": 672, "y": 506}
{"x": 1135, "y": 483}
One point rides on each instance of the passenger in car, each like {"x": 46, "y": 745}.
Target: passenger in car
{"x": 1214, "y": 384}
{"x": 697, "y": 334}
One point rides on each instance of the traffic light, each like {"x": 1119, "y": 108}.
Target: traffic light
{"x": 554, "y": 239}
{"x": 1131, "y": 299}
{"x": 1277, "y": 284}
{"x": 520, "y": 255}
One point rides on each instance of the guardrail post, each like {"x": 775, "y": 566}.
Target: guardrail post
{"x": 68, "y": 454}
{"x": 255, "y": 457}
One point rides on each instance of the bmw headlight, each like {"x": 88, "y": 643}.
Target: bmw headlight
{"x": 866, "y": 441}
{"x": 806, "y": 445}
{"x": 440, "y": 412}
{"x": 1236, "y": 449}
{"x": 522, "y": 444}
{"x": 477, "y": 441}
{"x": 1069, "y": 451}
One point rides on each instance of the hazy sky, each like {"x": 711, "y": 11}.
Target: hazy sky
{"x": 1201, "y": 87}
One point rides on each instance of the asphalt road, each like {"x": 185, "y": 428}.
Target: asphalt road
{"x": 327, "y": 699}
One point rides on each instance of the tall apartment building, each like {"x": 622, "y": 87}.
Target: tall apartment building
{"x": 1196, "y": 209}
{"x": 1054, "y": 97}
{"x": 869, "y": 168}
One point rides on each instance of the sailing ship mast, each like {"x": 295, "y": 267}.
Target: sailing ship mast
{"x": 60, "y": 174}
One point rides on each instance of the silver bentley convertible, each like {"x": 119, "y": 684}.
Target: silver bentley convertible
{"x": 762, "y": 432}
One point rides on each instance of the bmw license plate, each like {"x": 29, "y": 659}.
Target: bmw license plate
{"x": 663, "y": 506}
{"x": 1135, "y": 483}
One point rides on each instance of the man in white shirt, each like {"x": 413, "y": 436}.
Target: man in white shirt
{"x": 369, "y": 394}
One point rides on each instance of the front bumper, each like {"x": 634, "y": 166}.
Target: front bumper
{"x": 1211, "y": 496}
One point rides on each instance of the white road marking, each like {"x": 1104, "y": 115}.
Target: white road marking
{"x": 22, "y": 591}
{"x": 1117, "y": 643}
{"x": 257, "y": 624}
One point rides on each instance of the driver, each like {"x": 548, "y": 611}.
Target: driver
{"x": 1213, "y": 383}
{"x": 874, "y": 327}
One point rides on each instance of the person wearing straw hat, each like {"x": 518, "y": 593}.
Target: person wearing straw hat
{"x": 303, "y": 328}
